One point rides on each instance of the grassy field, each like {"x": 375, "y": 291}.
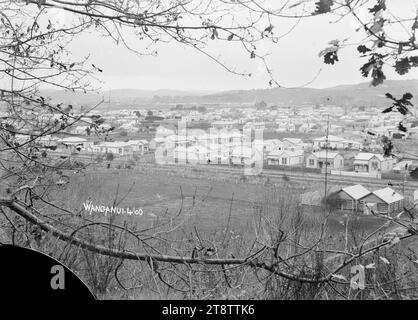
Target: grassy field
{"x": 208, "y": 204}
{"x": 205, "y": 203}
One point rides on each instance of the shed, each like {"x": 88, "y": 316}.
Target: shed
{"x": 384, "y": 201}
{"x": 349, "y": 197}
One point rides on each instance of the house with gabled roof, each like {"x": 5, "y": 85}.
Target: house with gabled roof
{"x": 334, "y": 142}
{"x": 292, "y": 142}
{"x": 322, "y": 159}
{"x": 116, "y": 147}
{"x": 372, "y": 163}
{"x": 331, "y": 141}
{"x": 272, "y": 144}
{"x": 383, "y": 201}
{"x": 349, "y": 197}
{"x": 285, "y": 158}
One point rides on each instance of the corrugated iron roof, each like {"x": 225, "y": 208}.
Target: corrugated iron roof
{"x": 388, "y": 195}
{"x": 356, "y": 192}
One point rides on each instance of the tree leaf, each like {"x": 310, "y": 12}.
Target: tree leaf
{"x": 269, "y": 29}
{"x": 363, "y": 49}
{"x": 331, "y": 57}
{"x": 378, "y": 76}
{"x": 407, "y": 96}
{"x": 402, "y": 66}
{"x": 413, "y": 61}
{"x": 380, "y": 6}
{"x": 387, "y": 110}
{"x": 388, "y": 95}
{"x": 323, "y": 6}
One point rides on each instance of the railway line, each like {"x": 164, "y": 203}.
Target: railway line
{"x": 302, "y": 177}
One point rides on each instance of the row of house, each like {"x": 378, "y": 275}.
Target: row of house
{"x": 78, "y": 144}
{"x": 235, "y": 147}
{"x": 334, "y": 142}
{"x": 362, "y": 162}
{"x": 212, "y": 154}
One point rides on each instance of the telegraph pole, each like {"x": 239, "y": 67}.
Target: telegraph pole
{"x": 326, "y": 163}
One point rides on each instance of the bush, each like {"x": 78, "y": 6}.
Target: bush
{"x": 332, "y": 201}
{"x": 110, "y": 156}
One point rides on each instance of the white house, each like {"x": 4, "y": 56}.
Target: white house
{"x": 322, "y": 159}
{"x": 372, "y": 163}
{"x": 145, "y": 144}
{"x": 81, "y": 130}
{"x": 157, "y": 142}
{"x": 224, "y": 124}
{"x": 395, "y": 133}
{"x": 74, "y": 144}
{"x": 352, "y": 145}
{"x": 118, "y": 148}
{"x": 402, "y": 166}
{"x": 180, "y": 141}
{"x": 272, "y": 144}
{"x": 285, "y": 158}
{"x": 293, "y": 143}
{"x": 242, "y": 155}
{"x": 138, "y": 146}
{"x": 379, "y": 132}
{"x": 335, "y": 142}
{"x": 163, "y": 130}
{"x": 192, "y": 154}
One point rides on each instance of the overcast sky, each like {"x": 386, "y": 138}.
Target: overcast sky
{"x": 294, "y": 59}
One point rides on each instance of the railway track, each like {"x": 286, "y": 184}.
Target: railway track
{"x": 301, "y": 177}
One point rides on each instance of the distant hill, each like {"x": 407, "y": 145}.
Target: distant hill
{"x": 128, "y": 96}
{"x": 344, "y": 95}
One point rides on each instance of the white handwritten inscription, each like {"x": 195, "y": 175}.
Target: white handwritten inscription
{"x": 90, "y": 207}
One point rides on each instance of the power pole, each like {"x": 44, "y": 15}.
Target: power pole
{"x": 404, "y": 179}
{"x": 326, "y": 164}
